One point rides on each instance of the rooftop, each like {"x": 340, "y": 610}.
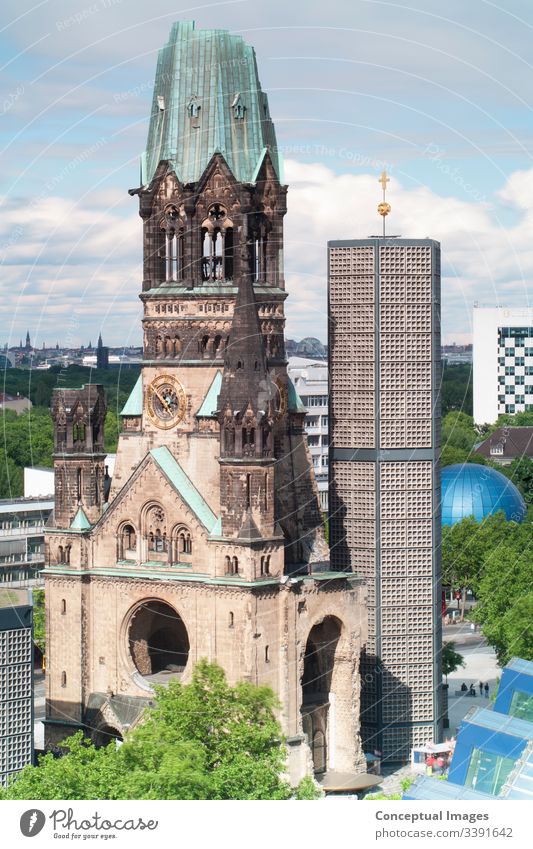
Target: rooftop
{"x": 207, "y": 99}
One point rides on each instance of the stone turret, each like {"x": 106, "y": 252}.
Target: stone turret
{"x": 79, "y": 418}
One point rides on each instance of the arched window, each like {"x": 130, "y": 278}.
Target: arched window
{"x": 229, "y": 440}
{"x": 217, "y": 245}
{"x": 159, "y": 347}
{"x": 63, "y": 679}
{"x": 227, "y": 561}
{"x": 177, "y": 345}
{"x": 172, "y": 224}
{"x": 67, "y": 553}
{"x": 203, "y": 345}
{"x": 63, "y": 606}
{"x": 267, "y": 564}
{"x": 181, "y": 548}
{"x": 128, "y": 542}
{"x": 60, "y": 554}
{"x": 267, "y": 654}
{"x": 78, "y": 484}
{"x": 234, "y": 566}
{"x": 231, "y": 619}
{"x": 155, "y": 530}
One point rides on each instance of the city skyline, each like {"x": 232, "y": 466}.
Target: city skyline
{"x": 452, "y": 127}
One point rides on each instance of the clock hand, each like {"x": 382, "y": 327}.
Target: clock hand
{"x": 161, "y": 398}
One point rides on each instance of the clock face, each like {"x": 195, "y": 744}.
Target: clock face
{"x": 166, "y": 401}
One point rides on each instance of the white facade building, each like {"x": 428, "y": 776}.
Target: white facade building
{"x": 503, "y": 362}
{"x": 310, "y": 378}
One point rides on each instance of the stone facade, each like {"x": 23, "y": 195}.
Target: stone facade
{"x": 211, "y": 542}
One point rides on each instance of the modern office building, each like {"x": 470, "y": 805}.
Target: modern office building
{"x": 310, "y": 378}
{"x": 22, "y": 524}
{"x": 16, "y": 682}
{"x": 503, "y": 362}
{"x": 384, "y": 413}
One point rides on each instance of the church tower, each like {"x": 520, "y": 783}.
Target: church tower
{"x": 212, "y": 542}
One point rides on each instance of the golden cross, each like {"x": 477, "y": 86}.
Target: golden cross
{"x": 384, "y": 180}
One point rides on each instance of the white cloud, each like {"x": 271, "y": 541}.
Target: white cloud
{"x": 483, "y": 260}
{"x": 61, "y": 259}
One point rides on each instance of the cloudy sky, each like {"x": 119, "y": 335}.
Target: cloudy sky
{"x": 439, "y": 94}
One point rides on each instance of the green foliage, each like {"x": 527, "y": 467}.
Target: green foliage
{"x": 451, "y": 660}
{"x": 39, "y": 385}
{"x": 459, "y": 438}
{"x": 521, "y": 473}
{"x": 38, "y": 619}
{"x": 456, "y": 388}
{"x": 307, "y": 790}
{"x": 27, "y": 439}
{"x": 203, "y": 740}
{"x": 493, "y": 558}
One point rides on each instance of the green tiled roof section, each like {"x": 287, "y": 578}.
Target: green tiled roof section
{"x": 213, "y": 66}
{"x": 80, "y": 521}
{"x": 134, "y": 404}
{"x": 209, "y": 404}
{"x": 184, "y": 486}
{"x": 295, "y": 402}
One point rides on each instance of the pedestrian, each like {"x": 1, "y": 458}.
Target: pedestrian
{"x": 430, "y": 763}
{"x": 464, "y": 688}
{"x": 486, "y": 690}
{"x": 441, "y": 764}
{"x": 481, "y": 688}
{"x": 472, "y": 691}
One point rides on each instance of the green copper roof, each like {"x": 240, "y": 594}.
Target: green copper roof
{"x": 184, "y": 486}
{"x": 134, "y": 404}
{"x": 80, "y": 522}
{"x": 295, "y": 402}
{"x": 208, "y": 98}
{"x": 209, "y": 404}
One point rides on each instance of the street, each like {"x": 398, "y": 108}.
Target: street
{"x": 481, "y": 665}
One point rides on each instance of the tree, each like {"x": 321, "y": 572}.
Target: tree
{"x": 461, "y": 556}
{"x": 38, "y": 619}
{"x": 505, "y": 600}
{"x": 203, "y": 740}
{"x": 521, "y": 473}
{"x": 451, "y": 660}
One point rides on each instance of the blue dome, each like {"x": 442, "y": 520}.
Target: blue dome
{"x": 471, "y": 489}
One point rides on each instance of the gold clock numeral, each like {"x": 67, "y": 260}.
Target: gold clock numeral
{"x": 166, "y": 401}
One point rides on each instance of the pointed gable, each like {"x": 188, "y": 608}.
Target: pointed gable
{"x": 184, "y": 486}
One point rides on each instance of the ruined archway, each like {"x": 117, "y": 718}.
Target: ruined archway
{"x": 158, "y": 641}
{"x": 317, "y": 678}
{"x": 104, "y": 735}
